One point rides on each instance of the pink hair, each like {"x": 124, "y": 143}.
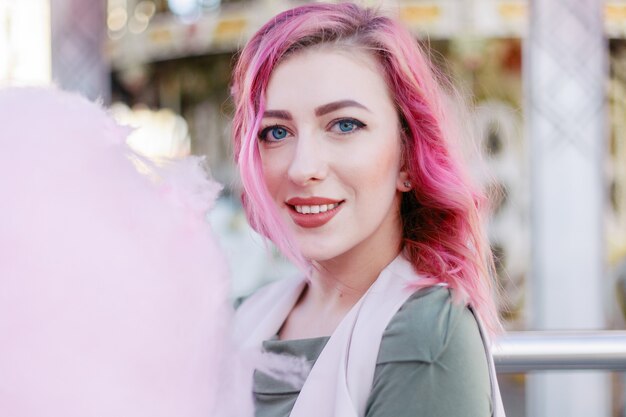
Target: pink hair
{"x": 443, "y": 234}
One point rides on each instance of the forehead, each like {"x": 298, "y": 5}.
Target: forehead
{"x": 320, "y": 75}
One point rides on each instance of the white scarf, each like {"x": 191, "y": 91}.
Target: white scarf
{"x": 341, "y": 379}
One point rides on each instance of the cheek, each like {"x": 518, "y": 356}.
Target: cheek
{"x": 274, "y": 170}
{"x": 377, "y": 166}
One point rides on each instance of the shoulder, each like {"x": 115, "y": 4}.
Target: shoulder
{"x": 428, "y": 324}
{"x": 432, "y": 361}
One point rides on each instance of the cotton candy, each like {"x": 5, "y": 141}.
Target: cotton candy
{"x": 113, "y": 291}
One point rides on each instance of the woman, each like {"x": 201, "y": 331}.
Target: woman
{"x": 342, "y": 138}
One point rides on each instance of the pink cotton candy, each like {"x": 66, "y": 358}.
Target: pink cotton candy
{"x": 113, "y": 293}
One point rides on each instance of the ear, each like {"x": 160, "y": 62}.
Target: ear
{"x": 403, "y": 183}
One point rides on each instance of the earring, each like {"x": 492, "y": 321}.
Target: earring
{"x": 407, "y": 184}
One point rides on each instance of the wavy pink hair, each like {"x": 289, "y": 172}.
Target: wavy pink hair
{"x": 443, "y": 235}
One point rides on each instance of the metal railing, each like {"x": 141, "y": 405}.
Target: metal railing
{"x": 518, "y": 352}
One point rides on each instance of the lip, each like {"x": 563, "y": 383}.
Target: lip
{"x": 310, "y": 221}
{"x": 311, "y": 201}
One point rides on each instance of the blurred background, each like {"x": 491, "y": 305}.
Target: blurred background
{"x": 547, "y": 79}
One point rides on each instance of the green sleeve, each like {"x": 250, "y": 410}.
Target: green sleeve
{"x": 431, "y": 362}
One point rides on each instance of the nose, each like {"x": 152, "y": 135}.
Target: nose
{"x": 308, "y": 164}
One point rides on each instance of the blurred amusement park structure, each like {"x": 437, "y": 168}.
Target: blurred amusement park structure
{"x": 548, "y": 84}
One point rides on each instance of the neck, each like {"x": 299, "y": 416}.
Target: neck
{"x": 342, "y": 281}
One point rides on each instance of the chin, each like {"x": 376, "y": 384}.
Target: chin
{"x": 318, "y": 256}
{"x": 315, "y": 253}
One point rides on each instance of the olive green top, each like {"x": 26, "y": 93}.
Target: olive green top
{"x": 431, "y": 363}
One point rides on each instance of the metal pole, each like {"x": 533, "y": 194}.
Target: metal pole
{"x": 565, "y": 72}
{"x": 519, "y": 352}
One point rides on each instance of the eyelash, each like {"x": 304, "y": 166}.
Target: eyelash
{"x": 357, "y": 123}
{"x": 266, "y": 130}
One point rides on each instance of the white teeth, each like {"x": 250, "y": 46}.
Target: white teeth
{"x": 315, "y": 209}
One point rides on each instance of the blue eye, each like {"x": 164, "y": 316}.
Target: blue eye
{"x": 347, "y": 125}
{"x": 273, "y": 134}
{"x": 278, "y": 133}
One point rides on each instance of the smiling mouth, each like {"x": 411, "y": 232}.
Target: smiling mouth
{"x": 313, "y": 215}
{"x": 315, "y": 209}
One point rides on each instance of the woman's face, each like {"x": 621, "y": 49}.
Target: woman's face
{"x": 330, "y": 147}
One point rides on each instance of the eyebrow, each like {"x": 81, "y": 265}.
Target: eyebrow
{"x": 336, "y": 105}
{"x": 277, "y": 114}
{"x": 319, "y": 111}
